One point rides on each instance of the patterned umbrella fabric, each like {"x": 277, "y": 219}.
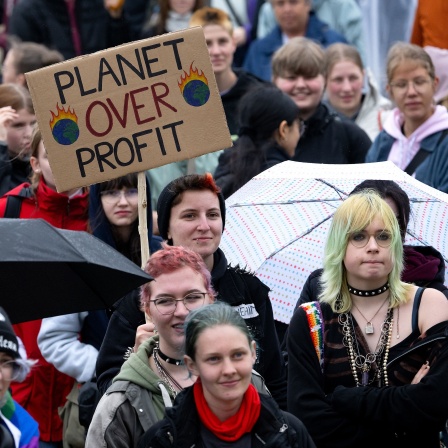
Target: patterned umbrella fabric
{"x": 277, "y": 224}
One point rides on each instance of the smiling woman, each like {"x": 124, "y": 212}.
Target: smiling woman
{"x": 220, "y": 352}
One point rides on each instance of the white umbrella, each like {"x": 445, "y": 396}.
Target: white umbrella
{"x": 276, "y": 224}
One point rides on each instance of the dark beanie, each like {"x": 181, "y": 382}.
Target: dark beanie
{"x": 8, "y": 339}
{"x": 165, "y": 203}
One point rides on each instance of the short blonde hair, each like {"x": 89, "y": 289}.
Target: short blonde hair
{"x": 212, "y": 16}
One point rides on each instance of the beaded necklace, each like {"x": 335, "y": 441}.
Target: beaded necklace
{"x": 364, "y": 364}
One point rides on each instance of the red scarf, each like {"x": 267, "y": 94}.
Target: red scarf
{"x": 234, "y": 427}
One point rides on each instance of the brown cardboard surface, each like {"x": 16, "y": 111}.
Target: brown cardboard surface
{"x": 129, "y": 108}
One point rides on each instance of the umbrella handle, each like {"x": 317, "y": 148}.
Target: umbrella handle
{"x": 142, "y": 218}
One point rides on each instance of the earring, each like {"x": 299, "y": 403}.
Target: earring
{"x": 37, "y": 171}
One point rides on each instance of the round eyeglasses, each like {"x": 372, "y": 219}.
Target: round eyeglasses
{"x": 10, "y": 370}
{"x": 360, "y": 239}
{"x": 167, "y": 305}
{"x": 113, "y": 196}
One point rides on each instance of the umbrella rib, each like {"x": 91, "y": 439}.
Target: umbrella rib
{"x": 297, "y": 238}
{"x": 325, "y": 201}
{"x": 424, "y": 243}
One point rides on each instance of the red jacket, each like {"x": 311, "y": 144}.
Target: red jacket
{"x": 45, "y": 389}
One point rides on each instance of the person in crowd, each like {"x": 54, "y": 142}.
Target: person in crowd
{"x": 67, "y": 210}
{"x": 25, "y": 57}
{"x": 191, "y": 213}
{"x": 414, "y": 134}
{"x": 439, "y": 57}
{"x": 173, "y": 15}
{"x": 351, "y": 91}
{"x": 299, "y": 70}
{"x": 16, "y": 124}
{"x": 269, "y": 133}
{"x": 17, "y": 428}
{"x": 368, "y": 359}
{"x": 244, "y": 17}
{"x": 429, "y": 24}
{"x": 423, "y": 265}
{"x": 232, "y": 85}
{"x": 294, "y": 18}
{"x": 71, "y": 342}
{"x": 152, "y": 377}
{"x": 223, "y": 408}
{"x": 344, "y": 16}
{"x": 73, "y": 27}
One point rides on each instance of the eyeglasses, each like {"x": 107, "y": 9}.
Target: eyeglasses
{"x": 113, "y": 196}
{"x": 10, "y": 370}
{"x": 167, "y": 305}
{"x": 402, "y": 86}
{"x": 360, "y": 239}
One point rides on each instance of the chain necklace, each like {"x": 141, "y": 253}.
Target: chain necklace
{"x": 173, "y": 385}
{"x": 369, "y": 329}
{"x": 364, "y": 363}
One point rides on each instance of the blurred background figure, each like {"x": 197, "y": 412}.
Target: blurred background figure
{"x": 17, "y": 428}
{"x": 439, "y": 57}
{"x": 16, "y": 124}
{"x": 430, "y": 25}
{"x": 415, "y": 132}
{"x": 294, "y": 18}
{"x": 244, "y": 16}
{"x": 172, "y": 15}
{"x": 351, "y": 91}
{"x": 269, "y": 133}
{"x": 25, "y": 57}
{"x": 73, "y": 27}
{"x": 344, "y": 16}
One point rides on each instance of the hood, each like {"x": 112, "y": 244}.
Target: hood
{"x": 423, "y": 264}
{"x": 435, "y": 123}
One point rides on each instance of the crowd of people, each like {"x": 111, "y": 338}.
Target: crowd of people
{"x": 194, "y": 357}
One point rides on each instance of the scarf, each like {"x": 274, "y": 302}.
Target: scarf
{"x": 234, "y": 427}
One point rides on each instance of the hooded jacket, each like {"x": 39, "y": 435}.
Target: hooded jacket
{"x": 45, "y": 388}
{"x": 370, "y": 115}
{"x": 181, "y": 428}
{"x": 392, "y": 144}
{"x": 240, "y": 289}
{"x": 133, "y": 403}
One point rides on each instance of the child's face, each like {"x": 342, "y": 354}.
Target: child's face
{"x": 221, "y": 48}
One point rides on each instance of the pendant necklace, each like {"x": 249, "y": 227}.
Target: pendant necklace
{"x": 369, "y": 329}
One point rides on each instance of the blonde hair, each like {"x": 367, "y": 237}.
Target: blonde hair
{"x": 212, "y": 16}
{"x": 299, "y": 56}
{"x": 341, "y": 52}
{"x": 354, "y": 215}
{"x": 403, "y": 51}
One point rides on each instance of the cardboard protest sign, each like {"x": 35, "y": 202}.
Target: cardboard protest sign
{"x": 129, "y": 108}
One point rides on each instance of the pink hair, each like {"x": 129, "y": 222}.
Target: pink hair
{"x": 171, "y": 259}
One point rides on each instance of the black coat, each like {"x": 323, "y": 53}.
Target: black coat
{"x": 13, "y": 172}
{"x": 181, "y": 427}
{"x": 234, "y": 286}
{"x": 328, "y": 139}
{"x": 47, "y": 22}
{"x": 225, "y": 176}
